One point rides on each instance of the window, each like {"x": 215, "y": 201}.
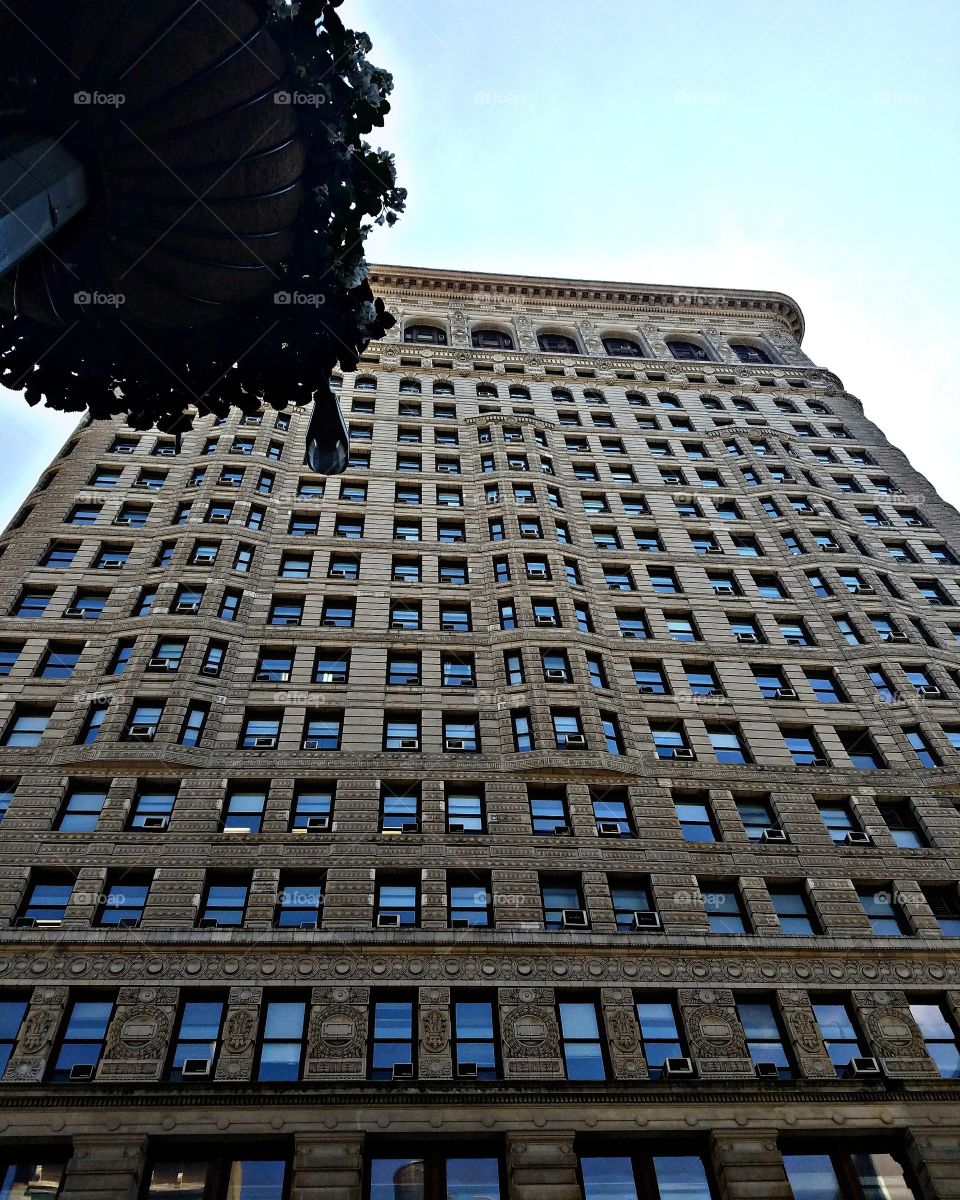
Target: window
{"x": 260, "y": 730}
{"x": 632, "y": 623}
{"x": 123, "y": 900}
{"x": 681, "y": 628}
{"x": 563, "y": 906}
{"x": 883, "y": 911}
{"x": 455, "y": 618}
{"x": 613, "y": 738}
{"x": 580, "y": 1036}
{"x": 90, "y": 729}
{"x": 557, "y": 343}
{"x": 403, "y": 615}
{"x": 31, "y": 605}
{"x": 660, "y": 1035}
{"x": 82, "y": 807}
{"x": 312, "y": 807}
{"x": 331, "y": 666}
{"x": 243, "y": 810}
{"x": 548, "y": 810}
{"x": 839, "y": 1033}
{"x": 469, "y": 900}
{"x": 195, "y": 1046}
{"x": 8, "y": 788}
{"x": 686, "y": 351}
{"x": 60, "y": 555}
{"x": 804, "y": 747}
{"x": 461, "y": 733}
{"x": 596, "y": 671}
{"x": 846, "y": 1175}
{"x": 901, "y": 821}
{"x": 9, "y": 653}
{"x": 27, "y": 726}
{"x": 429, "y": 335}
{"x": 611, "y": 812}
{"x": 81, "y": 1040}
{"x": 299, "y": 901}
{"x": 567, "y": 729}
{"x": 59, "y": 660}
{"x": 396, "y": 901}
{"x": 860, "y": 749}
{"x": 13, "y": 1008}
{"x": 522, "y": 725}
{"x": 399, "y": 807}
{"x": 46, "y": 900}
{"x": 229, "y": 605}
{"x": 728, "y": 744}
{"x": 825, "y": 687}
{"x": 457, "y": 670}
{"x": 84, "y": 514}
{"x": 339, "y": 613}
{"x": 670, "y": 741}
{"x": 633, "y": 907}
{"x": 344, "y": 566}
{"x": 920, "y": 745}
{"x": 322, "y": 731}
{"x": 939, "y": 1033}
{"x": 724, "y": 908}
{"x": 763, "y": 1032}
{"x": 794, "y": 910}
{"x": 224, "y": 902}
{"x": 152, "y": 807}
{"x": 281, "y": 1047}
{"x": 464, "y": 804}
{"x": 695, "y": 817}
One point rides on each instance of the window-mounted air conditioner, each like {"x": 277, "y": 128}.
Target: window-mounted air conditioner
{"x": 646, "y": 920}
{"x": 574, "y": 918}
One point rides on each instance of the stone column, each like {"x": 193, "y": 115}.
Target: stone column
{"x": 935, "y": 1159}
{"x": 327, "y": 1166}
{"x": 542, "y": 1166}
{"x": 748, "y": 1165}
{"x": 105, "y": 1165}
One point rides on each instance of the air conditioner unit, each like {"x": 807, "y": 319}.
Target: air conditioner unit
{"x": 467, "y": 1070}
{"x": 747, "y": 638}
{"x": 723, "y": 589}
{"x": 714, "y": 550}
{"x": 573, "y": 739}
{"x": 196, "y": 1068}
{"x": 816, "y": 762}
{"x": 263, "y": 743}
{"x": 284, "y": 620}
{"x": 408, "y": 744}
{"x": 122, "y": 520}
{"x": 831, "y": 548}
{"x": 208, "y": 923}
{"x": 341, "y": 572}
{"x": 861, "y": 589}
{"x": 448, "y": 626}
{"x": 537, "y": 572}
{"x": 646, "y": 920}
{"x": 864, "y": 1068}
{"x": 857, "y": 837}
{"x": 767, "y": 1070}
{"x": 163, "y": 664}
{"x": 402, "y": 1070}
{"x": 82, "y": 1072}
{"x": 677, "y": 1067}
{"x": 460, "y": 923}
{"x": 331, "y": 623}
{"x": 127, "y": 923}
{"x": 272, "y": 677}
{"x": 218, "y": 518}
{"x": 110, "y": 566}
{"x": 793, "y": 640}
{"x": 236, "y": 829}
{"x": 203, "y": 556}
{"x": 388, "y": 920}
{"x": 894, "y": 637}
{"x": 454, "y": 744}
{"x": 648, "y": 689}
{"x": 313, "y": 744}
{"x": 305, "y": 923}
{"x": 74, "y": 611}
{"x": 332, "y": 677}
{"x": 608, "y": 829}
{"x": 784, "y": 693}
{"x": 187, "y": 606}
{"x": 409, "y": 827}
{"x": 209, "y": 669}
{"x": 774, "y": 834}
{"x": 929, "y": 691}
{"x": 141, "y": 733}
{"x": 561, "y": 831}
{"x": 542, "y": 619}
{"x": 318, "y": 824}
{"x": 574, "y": 918}
{"x": 155, "y": 822}
{"x": 684, "y": 753}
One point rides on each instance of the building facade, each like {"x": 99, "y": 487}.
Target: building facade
{"x": 561, "y": 804}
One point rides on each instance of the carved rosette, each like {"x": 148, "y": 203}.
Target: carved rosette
{"x": 337, "y": 1034}
{"x": 435, "y": 1060}
{"x": 530, "y": 1034}
{"x": 35, "y": 1041}
{"x": 714, "y": 1033}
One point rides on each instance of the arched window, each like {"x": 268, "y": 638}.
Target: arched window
{"x": 487, "y": 391}
{"x": 409, "y": 387}
{"x": 562, "y": 395}
{"x": 519, "y": 393}
{"x": 592, "y": 396}
{"x": 427, "y": 335}
{"x": 442, "y": 387}
{"x": 750, "y": 354}
{"x": 491, "y": 339}
{"x": 365, "y": 383}
{"x": 557, "y": 343}
{"x": 618, "y": 347}
{"x": 685, "y": 351}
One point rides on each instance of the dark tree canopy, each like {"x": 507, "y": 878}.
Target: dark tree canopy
{"x": 219, "y": 262}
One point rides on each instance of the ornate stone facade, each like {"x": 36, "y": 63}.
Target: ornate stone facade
{"x": 535, "y": 479}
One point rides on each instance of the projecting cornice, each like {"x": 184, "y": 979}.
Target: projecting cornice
{"x": 663, "y": 298}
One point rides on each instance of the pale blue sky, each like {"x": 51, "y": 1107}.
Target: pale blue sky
{"x": 811, "y": 148}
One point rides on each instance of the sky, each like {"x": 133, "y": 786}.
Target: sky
{"x": 810, "y": 148}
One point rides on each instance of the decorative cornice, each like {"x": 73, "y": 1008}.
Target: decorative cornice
{"x": 660, "y": 298}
